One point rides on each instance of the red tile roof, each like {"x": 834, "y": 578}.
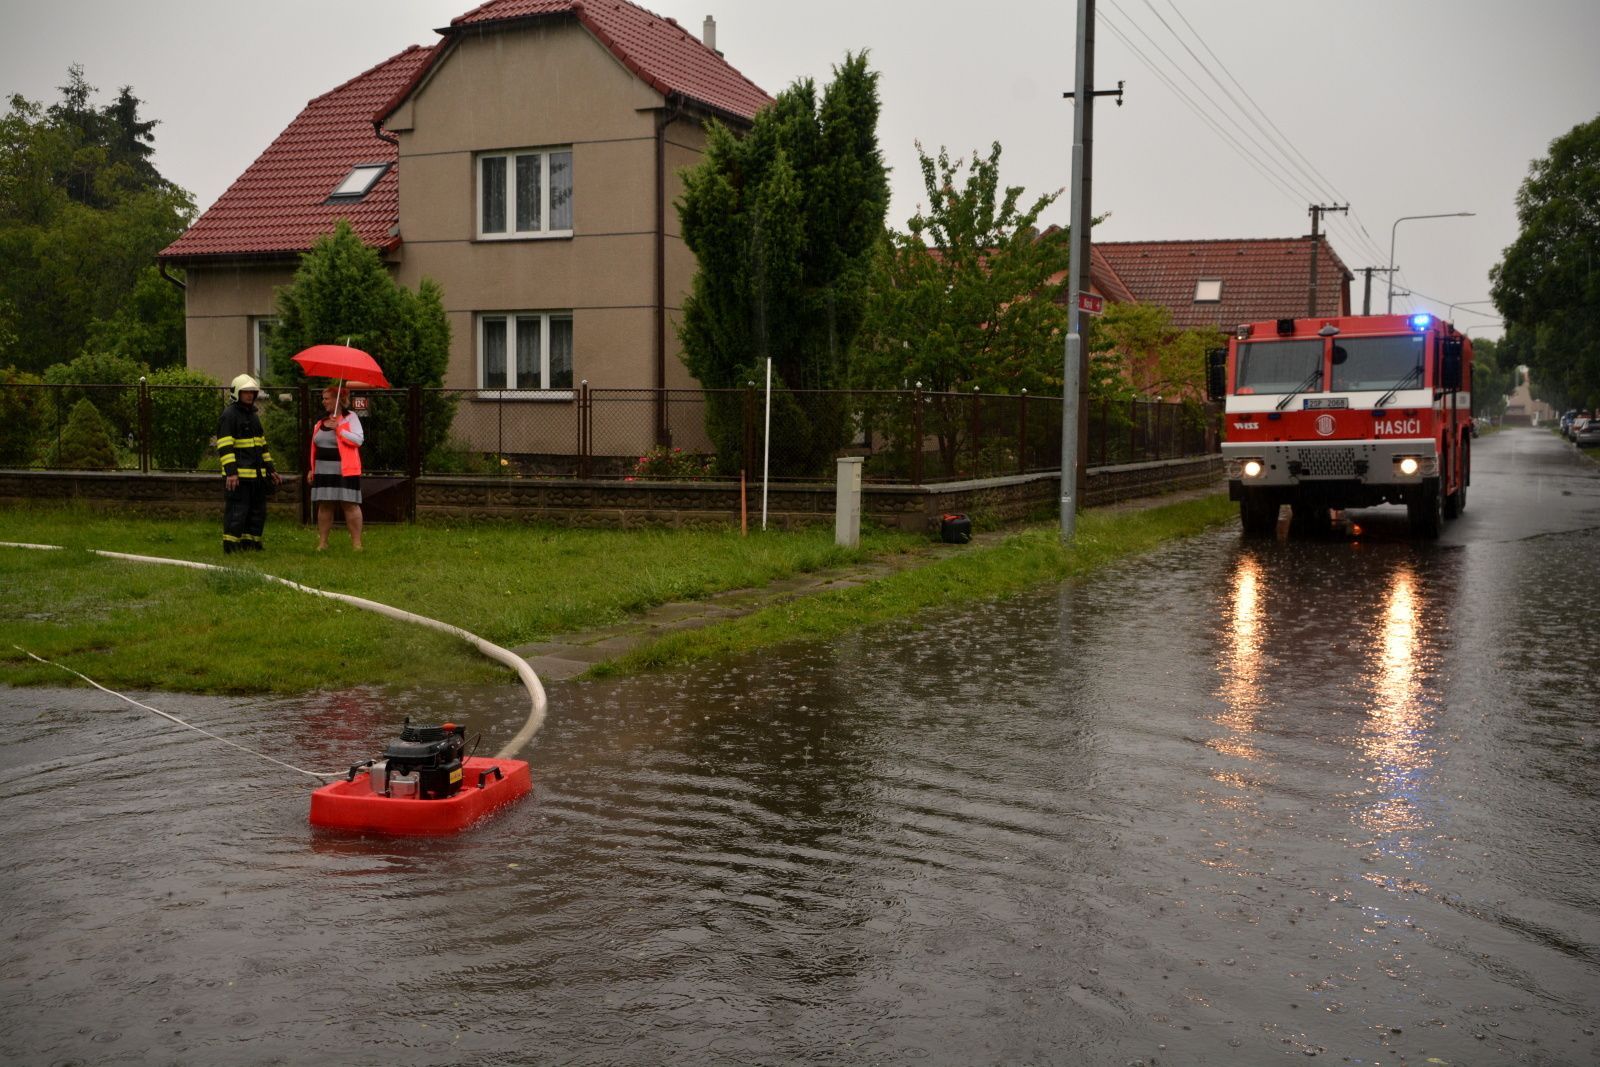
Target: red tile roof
{"x": 661, "y": 53}
{"x": 278, "y": 206}
{"x": 1103, "y": 279}
{"x": 1262, "y": 278}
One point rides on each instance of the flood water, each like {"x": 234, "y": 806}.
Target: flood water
{"x": 1221, "y": 805}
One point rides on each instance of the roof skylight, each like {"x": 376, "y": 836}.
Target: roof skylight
{"x": 359, "y": 182}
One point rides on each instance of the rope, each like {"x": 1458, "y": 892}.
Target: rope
{"x": 180, "y": 722}
{"x": 530, "y": 680}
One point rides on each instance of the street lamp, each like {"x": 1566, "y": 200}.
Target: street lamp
{"x": 1462, "y": 304}
{"x": 1397, "y": 222}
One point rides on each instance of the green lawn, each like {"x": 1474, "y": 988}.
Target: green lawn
{"x": 136, "y": 626}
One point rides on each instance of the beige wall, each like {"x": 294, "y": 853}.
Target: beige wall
{"x": 221, "y": 302}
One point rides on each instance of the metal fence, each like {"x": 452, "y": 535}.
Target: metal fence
{"x": 908, "y": 436}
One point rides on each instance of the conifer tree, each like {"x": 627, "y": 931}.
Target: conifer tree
{"x": 783, "y": 223}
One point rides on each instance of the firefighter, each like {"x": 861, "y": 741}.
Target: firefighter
{"x": 247, "y": 468}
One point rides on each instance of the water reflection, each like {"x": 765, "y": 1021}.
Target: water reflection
{"x": 1241, "y": 661}
{"x": 1395, "y": 735}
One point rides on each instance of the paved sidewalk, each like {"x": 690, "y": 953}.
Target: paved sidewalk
{"x": 569, "y": 655}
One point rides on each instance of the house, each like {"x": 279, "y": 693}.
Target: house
{"x": 1221, "y": 283}
{"x": 527, "y": 162}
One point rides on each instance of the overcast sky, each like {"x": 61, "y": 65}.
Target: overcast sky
{"x": 1400, "y": 107}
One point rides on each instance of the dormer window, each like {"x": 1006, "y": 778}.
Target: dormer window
{"x": 359, "y": 182}
{"x": 1208, "y": 291}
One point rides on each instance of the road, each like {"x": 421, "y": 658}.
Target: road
{"x": 1229, "y": 803}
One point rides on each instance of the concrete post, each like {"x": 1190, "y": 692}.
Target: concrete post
{"x": 847, "y": 503}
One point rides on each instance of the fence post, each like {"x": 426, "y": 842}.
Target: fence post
{"x": 1022, "y": 433}
{"x": 144, "y": 425}
{"x": 749, "y": 428}
{"x": 976, "y": 433}
{"x": 916, "y": 435}
{"x": 583, "y": 429}
{"x": 413, "y": 448}
{"x": 302, "y": 403}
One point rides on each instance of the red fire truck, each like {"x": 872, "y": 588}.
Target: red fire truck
{"x": 1324, "y": 414}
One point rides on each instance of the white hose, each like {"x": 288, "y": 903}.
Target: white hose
{"x": 530, "y": 680}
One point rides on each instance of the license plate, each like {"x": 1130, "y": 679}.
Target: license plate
{"x": 1314, "y": 403}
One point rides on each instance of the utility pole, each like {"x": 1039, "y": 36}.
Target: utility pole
{"x": 1317, "y": 211}
{"x": 1075, "y": 376}
{"x": 1366, "y": 295}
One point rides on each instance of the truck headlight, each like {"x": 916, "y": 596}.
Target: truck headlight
{"x": 1407, "y": 465}
{"x": 1251, "y": 468}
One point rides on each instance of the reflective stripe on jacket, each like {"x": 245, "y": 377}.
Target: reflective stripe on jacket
{"x": 242, "y": 444}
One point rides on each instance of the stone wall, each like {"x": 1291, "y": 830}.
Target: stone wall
{"x": 992, "y": 501}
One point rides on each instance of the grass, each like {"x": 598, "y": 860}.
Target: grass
{"x": 131, "y": 625}
{"x": 137, "y": 626}
{"x": 1024, "y": 560}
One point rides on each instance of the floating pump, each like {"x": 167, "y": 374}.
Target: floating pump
{"x": 423, "y": 784}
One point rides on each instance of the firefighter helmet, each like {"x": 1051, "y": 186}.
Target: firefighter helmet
{"x": 244, "y": 384}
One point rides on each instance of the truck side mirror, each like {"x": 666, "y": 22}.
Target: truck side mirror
{"x": 1216, "y": 373}
{"x": 1450, "y": 364}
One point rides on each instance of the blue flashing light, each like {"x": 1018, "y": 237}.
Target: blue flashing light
{"x": 1421, "y": 320}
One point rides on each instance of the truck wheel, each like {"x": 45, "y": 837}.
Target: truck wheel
{"x": 1426, "y": 512}
{"x": 1258, "y": 517}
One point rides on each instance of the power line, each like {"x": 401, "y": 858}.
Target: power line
{"x": 1265, "y": 155}
{"x": 1201, "y": 115}
{"x": 1310, "y": 184}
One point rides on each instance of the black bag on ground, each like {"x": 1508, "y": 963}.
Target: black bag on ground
{"x": 955, "y": 529}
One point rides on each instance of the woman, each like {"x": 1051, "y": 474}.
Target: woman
{"x": 335, "y": 471}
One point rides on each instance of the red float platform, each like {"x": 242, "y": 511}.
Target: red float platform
{"x": 353, "y": 805}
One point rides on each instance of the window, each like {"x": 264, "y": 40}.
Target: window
{"x": 359, "y": 182}
{"x": 1280, "y": 366}
{"x": 260, "y": 333}
{"x": 525, "y": 194}
{"x": 525, "y": 351}
{"x": 1208, "y": 291}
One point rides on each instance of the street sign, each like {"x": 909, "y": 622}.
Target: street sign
{"x": 1089, "y": 302}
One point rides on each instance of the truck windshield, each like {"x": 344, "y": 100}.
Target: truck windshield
{"x": 1280, "y": 366}
{"x": 1377, "y": 362}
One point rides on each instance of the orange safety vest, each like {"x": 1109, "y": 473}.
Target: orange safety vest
{"x": 349, "y": 449}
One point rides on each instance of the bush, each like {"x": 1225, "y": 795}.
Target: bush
{"x": 184, "y": 405}
{"x": 118, "y": 398}
{"x": 86, "y": 442}
{"x": 672, "y": 465}
{"x": 27, "y": 414}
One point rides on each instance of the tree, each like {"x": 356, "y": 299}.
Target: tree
{"x": 962, "y": 301}
{"x": 343, "y": 294}
{"x": 82, "y": 214}
{"x": 783, "y": 223}
{"x": 1135, "y": 350}
{"x": 1493, "y": 379}
{"x": 964, "y": 298}
{"x": 183, "y": 416}
{"x": 1547, "y": 284}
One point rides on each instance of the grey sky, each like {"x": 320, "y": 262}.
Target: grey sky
{"x": 1403, "y": 107}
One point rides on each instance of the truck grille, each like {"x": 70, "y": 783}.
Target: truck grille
{"x": 1326, "y": 462}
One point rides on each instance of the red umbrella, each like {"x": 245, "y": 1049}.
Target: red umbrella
{"x": 343, "y": 362}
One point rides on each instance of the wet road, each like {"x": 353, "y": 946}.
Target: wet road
{"x": 1226, "y": 804}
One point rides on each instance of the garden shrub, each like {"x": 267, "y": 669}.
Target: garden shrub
{"x": 86, "y": 442}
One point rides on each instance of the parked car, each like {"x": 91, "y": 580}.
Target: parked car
{"x": 1578, "y": 420}
{"x": 1588, "y": 434}
{"x": 1565, "y": 427}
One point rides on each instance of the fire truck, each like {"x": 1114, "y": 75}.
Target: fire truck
{"x": 1324, "y": 414}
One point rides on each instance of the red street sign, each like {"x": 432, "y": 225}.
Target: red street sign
{"x": 1091, "y": 303}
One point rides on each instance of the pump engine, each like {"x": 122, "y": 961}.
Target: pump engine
{"x": 424, "y": 763}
